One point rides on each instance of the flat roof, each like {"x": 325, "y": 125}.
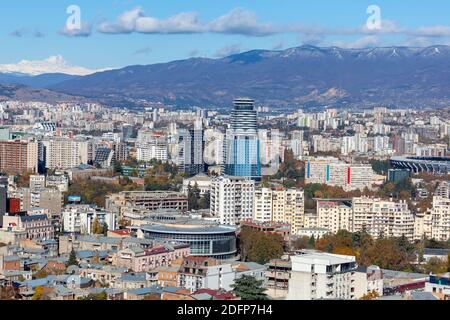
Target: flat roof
{"x": 188, "y": 229}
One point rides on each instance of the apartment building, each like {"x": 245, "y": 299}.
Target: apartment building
{"x": 79, "y": 219}
{"x": 232, "y": 199}
{"x": 331, "y": 171}
{"x": 435, "y": 223}
{"x": 383, "y": 218}
{"x": 280, "y": 205}
{"x": 36, "y": 226}
{"x": 65, "y": 153}
{"x": 334, "y": 215}
{"x": 205, "y": 273}
{"x": 317, "y": 275}
{"x": 18, "y": 156}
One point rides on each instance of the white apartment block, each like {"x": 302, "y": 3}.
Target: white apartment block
{"x": 381, "y": 218}
{"x": 232, "y": 199}
{"x": 318, "y": 275}
{"x": 331, "y": 171}
{"x": 80, "y": 218}
{"x": 65, "y": 153}
{"x": 149, "y": 152}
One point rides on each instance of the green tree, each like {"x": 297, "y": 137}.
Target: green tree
{"x": 249, "y": 288}
{"x": 205, "y": 201}
{"x": 72, "y": 259}
{"x": 312, "y": 242}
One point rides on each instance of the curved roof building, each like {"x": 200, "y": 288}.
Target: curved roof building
{"x": 213, "y": 241}
{"x": 437, "y": 165}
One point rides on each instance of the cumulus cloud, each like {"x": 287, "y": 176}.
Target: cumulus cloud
{"x": 237, "y": 21}
{"x": 240, "y": 21}
{"x": 53, "y": 64}
{"x": 84, "y": 31}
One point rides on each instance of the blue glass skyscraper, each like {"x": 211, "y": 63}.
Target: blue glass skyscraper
{"x": 242, "y": 148}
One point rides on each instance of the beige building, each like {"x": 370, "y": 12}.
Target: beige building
{"x": 280, "y": 205}
{"x": 381, "y": 218}
{"x": 65, "y": 153}
{"x": 334, "y": 216}
{"x": 435, "y": 223}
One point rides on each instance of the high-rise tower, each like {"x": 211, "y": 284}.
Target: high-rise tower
{"x": 242, "y": 147}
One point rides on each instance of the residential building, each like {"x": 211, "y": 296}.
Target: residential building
{"x": 232, "y": 199}
{"x": 19, "y": 156}
{"x": 317, "y": 276}
{"x": 382, "y": 218}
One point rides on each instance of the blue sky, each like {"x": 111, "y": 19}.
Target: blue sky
{"x": 32, "y": 30}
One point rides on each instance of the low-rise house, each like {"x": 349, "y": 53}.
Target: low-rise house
{"x": 134, "y": 281}
{"x": 103, "y": 274}
{"x": 140, "y": 260}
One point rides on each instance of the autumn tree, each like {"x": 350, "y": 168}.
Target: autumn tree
{"x": 260, "y": 247}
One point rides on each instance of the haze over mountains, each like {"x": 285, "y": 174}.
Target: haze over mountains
{"x": 303, "y": 76}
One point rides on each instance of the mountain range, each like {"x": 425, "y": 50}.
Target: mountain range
{"x": 305, "y": 76}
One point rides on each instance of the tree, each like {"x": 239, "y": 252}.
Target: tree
{"x": 312, "y": 242}
{"x": 260, "y": 247}
{"x": 373, "y": 295}
{"x": 118, "y": 167}
{"x": 72, "y": 259}
{"x": 193, "y": 197}
{"x": 205, "y": 201}
{"x": 249, "y": 288}
{"x": 40, "y": 293}
{"x": 97, "y": 227}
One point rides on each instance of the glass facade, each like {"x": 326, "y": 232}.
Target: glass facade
{"x": 219, "y": 245}
{"x": 242, "y": 146}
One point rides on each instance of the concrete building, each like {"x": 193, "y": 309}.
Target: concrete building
{"x": 381, "y": 218}
{"x": 205, "y": 273}
{"x": 79, "y": 219}
{"x": 65, "y": 153}
{"x": 331, "y": 171}
{"x": 202, "y": 181}
{"x": 232, "y": 199}
{"x": 150, "y": 200}
{"x": 18, "y": 156}
{"x": 334, "y": 215}
{"x": 317, "y": 276}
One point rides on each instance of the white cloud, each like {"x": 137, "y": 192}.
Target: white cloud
{"x": 53, "y": 64}
{"x": 435, "y": 31}
{"x": 364, "y": 42}
{"x": 237, "y": 21}
{"x": 84, "y": 31}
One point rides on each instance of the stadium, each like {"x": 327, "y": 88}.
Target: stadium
{"x": 436, "y": 165}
